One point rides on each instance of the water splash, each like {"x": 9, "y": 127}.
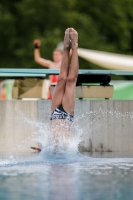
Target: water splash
{"x": 65, "y": 152}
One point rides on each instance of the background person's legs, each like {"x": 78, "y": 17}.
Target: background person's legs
{"x": 61, "y": 83}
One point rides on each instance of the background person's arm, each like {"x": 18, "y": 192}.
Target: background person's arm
{"x": 37, "y": 56}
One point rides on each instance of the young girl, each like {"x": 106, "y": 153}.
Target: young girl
{"x": 63, "y": 101}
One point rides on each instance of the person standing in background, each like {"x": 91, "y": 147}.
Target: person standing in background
{"x": 55, "y": 64}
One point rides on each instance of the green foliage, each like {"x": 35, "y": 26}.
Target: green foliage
{"x": 102, "y": 25}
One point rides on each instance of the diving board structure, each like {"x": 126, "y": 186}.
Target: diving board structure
{"x": 31, "y": 83}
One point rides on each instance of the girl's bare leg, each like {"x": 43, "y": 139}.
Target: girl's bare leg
{"x": 68, "y": 101}
{"x": 61, "y": 83}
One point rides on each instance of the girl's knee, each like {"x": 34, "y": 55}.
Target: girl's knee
{"x": 71, "y": 79}
{"x": 61, "y": 78}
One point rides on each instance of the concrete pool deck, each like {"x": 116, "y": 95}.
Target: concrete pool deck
{"x": 104, "y": 125}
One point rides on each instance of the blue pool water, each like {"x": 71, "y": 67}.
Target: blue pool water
{"x": 66, "y": 176}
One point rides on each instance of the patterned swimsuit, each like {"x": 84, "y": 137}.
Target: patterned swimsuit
{"x": 60, "y": 113}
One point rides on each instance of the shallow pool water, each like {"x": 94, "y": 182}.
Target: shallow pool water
{"x": 66, "y": 176}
